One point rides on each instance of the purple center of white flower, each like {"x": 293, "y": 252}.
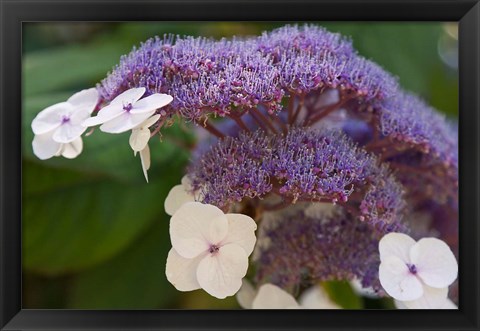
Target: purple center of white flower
{"x": 128, "y": 107}
{"x": 213, "y": 249}
{"x": 65, "y": 119}
{"x": 412, "y": 268}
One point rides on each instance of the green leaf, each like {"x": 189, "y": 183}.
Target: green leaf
{"x": 342, "y": 293}
{"x": 408, "y": 51}
{"x": 72, "y": 221}
{"x": 70, "y": 67}
{"x": 134, "y": 279}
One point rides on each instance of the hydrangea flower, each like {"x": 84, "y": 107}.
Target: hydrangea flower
{"x": 58, "y": 128}
{"x": 320, "y": 146}
{"x": 416, "y": 273}
{"x": 270, "y": 296}
{"x": 210, "y": 249}
{"x": 127, "y": 111}
{"x": 178, "y": 195}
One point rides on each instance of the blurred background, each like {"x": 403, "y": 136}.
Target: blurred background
{"x": 95, "y": 235}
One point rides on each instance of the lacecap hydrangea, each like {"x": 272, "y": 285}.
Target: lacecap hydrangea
{"x": 317, "y": 144}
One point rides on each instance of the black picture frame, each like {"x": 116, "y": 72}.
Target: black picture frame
{"x": 14, "y": 12}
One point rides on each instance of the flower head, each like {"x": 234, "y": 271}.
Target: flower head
{"x": 127, "y": 110}
{"x": 311, "y": 166}
{"x": 210, "y": 249}
{"x": 58, "y": 128}
{"x": 420, "y": 270}
{"x": 298, "y": 250}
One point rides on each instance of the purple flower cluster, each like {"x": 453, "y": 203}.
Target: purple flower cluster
{"x": 218, "y": 77}
{"x": 301, "y": 250}
{"x": 301, "y": 166}
{"x": 291, "y": 65}
{"x": 305, "y": 118}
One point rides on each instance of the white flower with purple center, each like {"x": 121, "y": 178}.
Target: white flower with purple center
{"x": 58, "y": 128}
{"x": 210, "y": 249}
{"x": 416, "y": 273}
{"x": 270, "y": 296}
{"x": 127, "y": 110}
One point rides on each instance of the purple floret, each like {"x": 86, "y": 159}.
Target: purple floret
{"x": 217, "y": 77}
{"x": 322, "y": 166}
{"x": 301, "y": 250}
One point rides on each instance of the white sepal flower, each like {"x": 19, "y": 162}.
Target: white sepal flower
{"x": 423, "y": 304}
{"x": 270, "y": 296}
{"x": 412, "y": 270}
{"x": 316, "y": 298}
{"x": 58, "y": 128}
{"x": 210, "y": 249}
{"x": 127, "y": 110}
{"x": 139, "y": 142}
{"x": 178, "y": 195}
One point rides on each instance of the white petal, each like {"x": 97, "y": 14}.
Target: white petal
{"x": 86, "y": 98}
{"x": 67, "y": 133}
{"x": 220, "y": 274}
{"x": 124, "y": 122}
{"x": 182, "y": 272}
{"x": 129, "y": 96}
{"x": 50, "y": 118}
{"x": 397, "y": 280}
{"x": 186, "y": 182}
{"x": 435, "y": 262}
{"x": 399, "y": 304}
{"x": 152, "y": 102}
{"x": 246, "y": 295}
{"x": 432, "y": 298}
{"x": 72, "y": 149}
{"x": 449, "y": 304}
{"x": 44, "y": 147}
{"x": 105, "y": 114}
{"x": 397, "y": 244}
{"x": 176, "y": 198}
{"x": 149, "y": 122}
{"x": 273, "y": 297}
{"x": 79, "y": 116}
{"x": 196, "y": 226}
{"x": 139, "y": 139}
{"x": 316, "y": 298}
{"x": 241, "y": 231}
{"x": 145, "y": 160}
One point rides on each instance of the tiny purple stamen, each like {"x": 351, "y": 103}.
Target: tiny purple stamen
{"x": 128, "y": 107}
{"x": 412, "y": 268}
{"x": 213, "y": 249}
{"x": 65, "y": 119}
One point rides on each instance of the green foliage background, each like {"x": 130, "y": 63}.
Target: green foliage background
{"x": 95, "y": 235}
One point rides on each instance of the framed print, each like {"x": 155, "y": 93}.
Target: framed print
{"x": 241, "y": 165}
